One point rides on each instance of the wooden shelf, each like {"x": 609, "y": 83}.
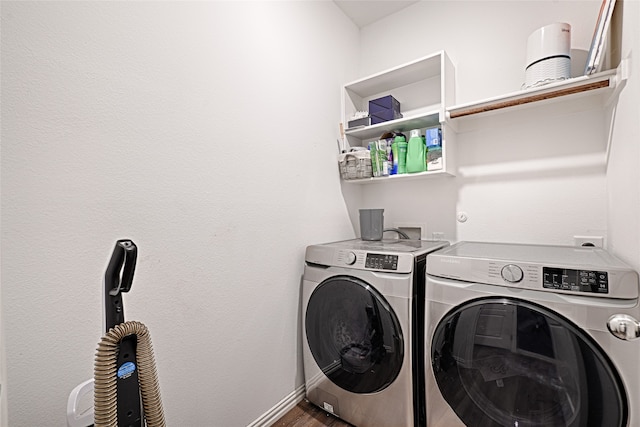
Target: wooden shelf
{"x": 596, "y": 83}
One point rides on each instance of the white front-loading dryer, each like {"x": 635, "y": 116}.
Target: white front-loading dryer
{"x": 363, "y": 317}
{"x": 531, "y": 335}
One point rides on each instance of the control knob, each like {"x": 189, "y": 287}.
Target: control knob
{"x": 351, "y": 258}
{"x": 512, "y": 273}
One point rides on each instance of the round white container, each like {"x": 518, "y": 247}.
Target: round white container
{"x": 548, "y": 55}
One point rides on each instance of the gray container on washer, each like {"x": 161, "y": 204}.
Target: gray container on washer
{"x": 371, "y": 224}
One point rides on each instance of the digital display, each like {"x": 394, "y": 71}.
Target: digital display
{"x": 575, "y": 280}
{"x": 381, "y": 261}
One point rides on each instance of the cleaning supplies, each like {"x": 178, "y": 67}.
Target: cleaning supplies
{"x": 389, "y": 143}
{"x": 416, "y": 160}
{"x": 401, "y": 147}
{"x": 383, "y": 157}
{"x": 434, "y": 148}
{"x": 373, "y": 152}
{"x": 394, "y": 157}
{"x": 379, "y": 157}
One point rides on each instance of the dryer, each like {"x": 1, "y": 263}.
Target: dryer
{"x": 531, "y": 335}
{"x": 362, "y": 323}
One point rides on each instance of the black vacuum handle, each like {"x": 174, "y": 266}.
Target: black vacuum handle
{"x": 118, "y": 279}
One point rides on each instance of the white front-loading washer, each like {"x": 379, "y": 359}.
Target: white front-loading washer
{"x": 362, "y": 323}
{"x": 531, "y": 335}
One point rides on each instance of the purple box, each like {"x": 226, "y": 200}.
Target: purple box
{"x": 385, "y": 103}
{"x": 384, "y": 116}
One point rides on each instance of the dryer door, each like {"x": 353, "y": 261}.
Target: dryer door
{"x": 509, "y": 362}
{"x": 354, "y": 335}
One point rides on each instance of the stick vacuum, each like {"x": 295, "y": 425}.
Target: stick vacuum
{"x": 125, "y": 386}
{"x": 118, "y": 279}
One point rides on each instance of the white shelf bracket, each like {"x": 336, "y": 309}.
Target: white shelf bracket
{"x": 619, "y": 80}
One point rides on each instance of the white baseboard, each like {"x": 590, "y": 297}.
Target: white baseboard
{"x": 285, "y": 405}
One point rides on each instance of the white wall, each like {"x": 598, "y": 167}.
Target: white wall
{"x": 203, "y": 131}
{"x": 4, "y": 418}
{"x": 536, "y": 175}
{"x": 623, "y": 173}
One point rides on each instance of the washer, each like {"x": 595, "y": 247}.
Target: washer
{"x": 531, "y": 335}
{"x": 363, "y": 317}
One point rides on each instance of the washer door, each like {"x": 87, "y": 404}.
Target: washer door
{"x": 353, "y": 334}
{"x": 508, "y": 362}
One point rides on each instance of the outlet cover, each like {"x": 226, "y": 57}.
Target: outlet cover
{"x": 437, "y": 235}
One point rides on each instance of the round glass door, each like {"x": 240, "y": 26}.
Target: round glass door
{"x": 353, "y": 334}
{"x": 508, "y": 362}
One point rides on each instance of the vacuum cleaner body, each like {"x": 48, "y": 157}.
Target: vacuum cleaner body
{"x": 118, "y": 279}
{"x": 123, "y": 394}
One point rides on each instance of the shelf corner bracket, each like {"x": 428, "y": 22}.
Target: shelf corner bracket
{"x": 619, "y": 80}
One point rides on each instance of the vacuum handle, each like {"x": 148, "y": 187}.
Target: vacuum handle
{"x": 117, "y": 279}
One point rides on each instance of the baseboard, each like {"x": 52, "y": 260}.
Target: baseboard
{"x": 285, "y": 405}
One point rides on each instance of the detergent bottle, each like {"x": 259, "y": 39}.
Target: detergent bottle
{"x": 416, "y": 159}
{"x": 399, "y": 153}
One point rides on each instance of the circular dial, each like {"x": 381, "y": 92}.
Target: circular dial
{"x": 512, "y": 273}
{"x": 351, "y": 258}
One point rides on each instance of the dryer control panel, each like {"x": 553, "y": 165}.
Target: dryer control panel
{"x": 575, "y": 280}
{"x": 362, "y": 260}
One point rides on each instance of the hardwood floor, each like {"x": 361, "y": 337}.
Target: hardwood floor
{"x": 306, "y": 414}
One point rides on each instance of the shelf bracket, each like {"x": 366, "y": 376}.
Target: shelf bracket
{"x": 621, "y": 76}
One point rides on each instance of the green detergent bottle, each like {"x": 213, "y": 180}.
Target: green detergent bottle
{"x": 416, "y": 159}
{"x": 401, "y": 147}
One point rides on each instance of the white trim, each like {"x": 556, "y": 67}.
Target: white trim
{"x": 285, "y": 405}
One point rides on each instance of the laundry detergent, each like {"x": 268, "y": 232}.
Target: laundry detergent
{"x": 416, "y": 160}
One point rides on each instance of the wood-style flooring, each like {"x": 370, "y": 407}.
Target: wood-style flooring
{"x": 306, "y": 414}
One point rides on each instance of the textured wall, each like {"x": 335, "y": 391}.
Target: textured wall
{"x": 623, "y": 173}
{"x": 203, "y": 131}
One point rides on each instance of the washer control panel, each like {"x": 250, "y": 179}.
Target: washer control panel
{"x": 584, "y": 271}
{"x": 381, "y": 261}
{"x": 575, "y": 280}
{"x": 526, "y": 275}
